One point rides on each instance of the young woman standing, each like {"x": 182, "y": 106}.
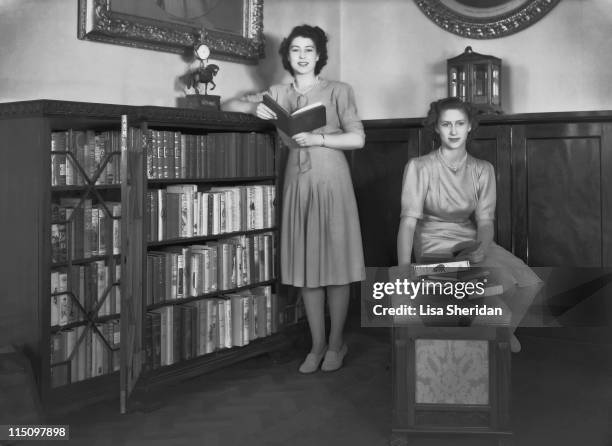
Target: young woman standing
{"x": 321, "y": 248}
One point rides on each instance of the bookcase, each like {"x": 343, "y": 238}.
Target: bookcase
{"x": 141, "y": 245}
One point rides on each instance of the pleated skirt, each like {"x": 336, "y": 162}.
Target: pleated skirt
{"x": 320, "y": 232}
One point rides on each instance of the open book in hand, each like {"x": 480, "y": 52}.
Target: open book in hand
{"x": 306, "y": 119}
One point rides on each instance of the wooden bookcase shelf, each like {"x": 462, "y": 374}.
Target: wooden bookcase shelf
{"x": 82, "y": 261}
{"x": 61, "y": 189}
{"x": 231, "y": 180}
{"x": 213, "y": 361}
{"x": 34, "y": 185}
{"x": 209, "y": 295}
{"x": 110, "y": 317}
{"x": 198, "y": 239}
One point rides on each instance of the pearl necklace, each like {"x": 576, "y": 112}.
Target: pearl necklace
{"x": 453, "y": 167}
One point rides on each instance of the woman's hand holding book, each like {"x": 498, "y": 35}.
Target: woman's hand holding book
{"x": 307, "y": 139}
{"x": 262, "y": 111}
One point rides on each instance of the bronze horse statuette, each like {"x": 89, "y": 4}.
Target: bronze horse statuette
{"x": 201, "y": 75}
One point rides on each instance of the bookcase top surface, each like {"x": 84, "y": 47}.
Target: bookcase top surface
{"x": 152, "y": 115}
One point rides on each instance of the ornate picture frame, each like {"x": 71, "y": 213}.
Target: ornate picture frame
{"x": 233, "y": 30}
{"x": 485, "y": 19}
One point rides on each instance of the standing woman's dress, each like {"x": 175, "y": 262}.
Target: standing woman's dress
{"x": 447, "y": 204}
{"x": 320, "y": 234}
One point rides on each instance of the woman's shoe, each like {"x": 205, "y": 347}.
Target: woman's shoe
{"x": 333, "y": 360}
{"x": 312, "y": 362}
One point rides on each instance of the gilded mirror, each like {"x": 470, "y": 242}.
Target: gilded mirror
{"x": 485, "y": 19}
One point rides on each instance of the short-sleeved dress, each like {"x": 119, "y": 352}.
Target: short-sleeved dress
{"x": 320, "y": 234}
{"x": 447, "y": 206}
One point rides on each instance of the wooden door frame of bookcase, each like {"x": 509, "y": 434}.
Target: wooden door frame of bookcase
{"x": 51, "y": 398}
{"x": 133, "y": 314}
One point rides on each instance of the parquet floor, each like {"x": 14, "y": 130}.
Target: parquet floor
{"x": 562, "y": 394}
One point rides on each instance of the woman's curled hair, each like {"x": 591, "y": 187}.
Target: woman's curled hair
{"x": 451, "y": 103}
{"x": 314, "y": 33}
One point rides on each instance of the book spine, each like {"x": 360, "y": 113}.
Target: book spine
{"x": 248, "y": 315}
{"x": 156, "y": 339}
{"x": 212, "y": 339}
{"x": 186, "y": 333}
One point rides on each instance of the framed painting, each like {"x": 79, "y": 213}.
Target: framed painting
{"x": 485, "y": 19}
{"x": 232, "y": 29}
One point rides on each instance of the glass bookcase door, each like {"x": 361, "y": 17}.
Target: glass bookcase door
{"x": 85, "y": 266}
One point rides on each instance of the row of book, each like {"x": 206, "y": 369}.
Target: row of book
{"x": 93, "y": 285}
{"x": 184, "y": 211}
{"x": 172, "y": 334}
{"x": 181, "y": 332}
{"x": 83, "y": 352}
{"x": 77, "y": 154}
{"x": 214, "y": 155}
{"x": 185, "y": 271}
{"x": 81, "y": 229}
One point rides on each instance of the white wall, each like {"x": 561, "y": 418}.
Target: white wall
{"x": 387, "y": 49}
{"x": 280, "y": 16}
{"x": 41, "y": 57}
{"x": 395, "y": 58}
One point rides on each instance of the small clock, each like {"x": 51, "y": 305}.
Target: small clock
{"x": 202, "y": 51}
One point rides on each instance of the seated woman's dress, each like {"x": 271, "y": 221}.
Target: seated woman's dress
{"x": 447, "y": 205}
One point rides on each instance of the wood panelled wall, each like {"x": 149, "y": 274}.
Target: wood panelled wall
{"x": 554, "y": 184}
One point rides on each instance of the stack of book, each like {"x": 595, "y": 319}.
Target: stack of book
{"x": 181, "y": 210}
{"x": 74, "y": 152}
{"x": 175, "y": 333}
{"x": 94, "y": 285}
{"x": 84, "y": 229}
{"x": 189, "y": 271}
{"x": 172, "y": 155}
{"x": 80, "y": 353}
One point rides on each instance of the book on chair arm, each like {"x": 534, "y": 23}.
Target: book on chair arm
{"x": 455, "y": 267}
